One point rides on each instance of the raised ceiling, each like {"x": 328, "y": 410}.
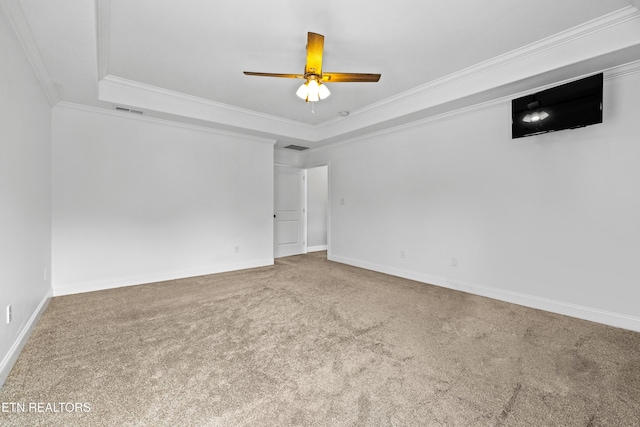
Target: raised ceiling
{"x": 183, "y": 61}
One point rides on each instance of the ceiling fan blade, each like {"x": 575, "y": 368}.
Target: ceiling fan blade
{"x": 315, "y": 46}
{"x": 287, "y": 76}
{"x": 349, "y": 77}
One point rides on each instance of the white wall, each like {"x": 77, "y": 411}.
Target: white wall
{"x": 317, "y": 201}
{"x": 550, "y": 221}
{"x": 287, "y": 157}
{"x": 25, "y": 196}
{"x": 139, "y": 200}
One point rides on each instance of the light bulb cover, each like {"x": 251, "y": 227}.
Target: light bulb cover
{"x": 303, "y": 91}
{"x": 323, "y": 91}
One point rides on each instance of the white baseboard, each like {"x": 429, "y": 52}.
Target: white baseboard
{"x": 586, "y": 313}
{"x": 317, "y": 248}
{"x": 14, "y": 352}
{"x": 118, "y": 282}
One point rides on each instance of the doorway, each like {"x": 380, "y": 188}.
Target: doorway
{"x": 317, "y": 208}
{"x": 301, "y": 210}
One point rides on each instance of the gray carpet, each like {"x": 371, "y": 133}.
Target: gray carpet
{"x": 309, "y": 342}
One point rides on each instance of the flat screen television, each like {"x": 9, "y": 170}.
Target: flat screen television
{"x": 571, "y": 105}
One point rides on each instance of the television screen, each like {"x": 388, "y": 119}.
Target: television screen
{"x": 568, "y": 106}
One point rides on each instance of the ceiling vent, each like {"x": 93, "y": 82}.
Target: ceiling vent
{"x": 296, "y": 147}
{"x": 126, "y": 110}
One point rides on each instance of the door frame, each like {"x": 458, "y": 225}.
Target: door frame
{"x": 307, "y": 166}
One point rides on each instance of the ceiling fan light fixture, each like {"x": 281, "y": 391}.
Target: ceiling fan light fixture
{"x": 312, "y": 91}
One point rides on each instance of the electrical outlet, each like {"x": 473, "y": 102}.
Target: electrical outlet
{"x": 454, "y": 262}
{"x": 9, "y": 314}
{"x": 401, "y": 254}
{"x": 237, "y": 249}
{"x": 342, "y": 202}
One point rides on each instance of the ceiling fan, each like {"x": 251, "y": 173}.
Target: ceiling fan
{"x": 313, "y": 89}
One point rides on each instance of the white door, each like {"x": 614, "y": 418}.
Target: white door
{"x": 289, "y": 216}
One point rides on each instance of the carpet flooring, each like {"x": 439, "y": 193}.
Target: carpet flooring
{"x": 310, "y": 342}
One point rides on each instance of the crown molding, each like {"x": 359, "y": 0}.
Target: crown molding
{"x": 117, "y": 90}
{"x": 21, "y": 28}
{"x": 103, "y": 26}
{"x": 198, "y": 100}
{"x": 616, "y": 73}
{"x": 610, "y": 74}
{"x": 488, "y": 105}
{"x": 147, "y": 119}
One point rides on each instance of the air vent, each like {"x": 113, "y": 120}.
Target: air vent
{"x": 296, "y": 147}
{"x": 126, "y": 110}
